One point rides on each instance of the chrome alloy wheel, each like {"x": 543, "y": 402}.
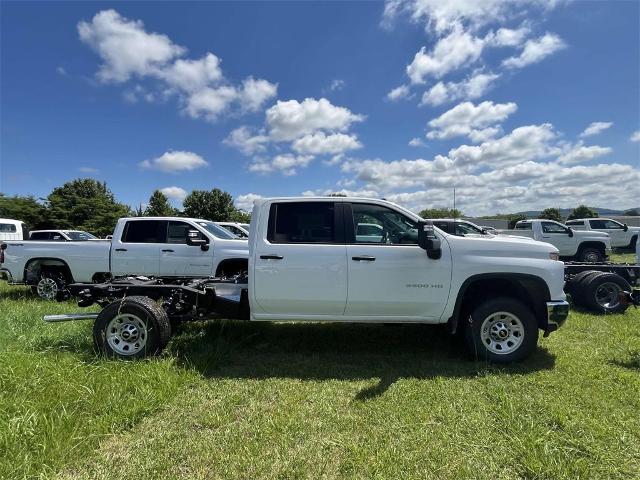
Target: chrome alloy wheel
{"x": 502, "y": 333}
{"x": 608, "y": 295}
{"x": 47, "y": 288}
{"x": 126, "y": 334}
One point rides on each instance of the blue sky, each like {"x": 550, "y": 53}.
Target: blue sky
{"x": 519, "y": 105}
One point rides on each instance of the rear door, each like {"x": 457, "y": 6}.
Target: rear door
{"x": 391, "y": 275}
{"x": 182, "y": 260}
{"x": 300, "y": 265}
{"x": 137, "y": 251}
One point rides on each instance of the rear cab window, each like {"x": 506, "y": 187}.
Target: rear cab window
{"x": 8, "y": 228}
{"x": 144, "y": 231}
{"x": 523, "y": 226}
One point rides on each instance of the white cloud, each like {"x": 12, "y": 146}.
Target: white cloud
{"x": 595, "y": 128}
{"x": 416, "y": 142}
{"x": 125, "y": 47}
{"x": 398, "y": 93}
{"x": 245, "y": 202}
{"x": 318, "y": 143}
{"x": 174, "y": 193}
{"x": 175, "y": 161}
{"x": 255, "y": 93}
{"x": 128, "y": 50}
{"x": 635, "y": 136}
{"x": 289, "y": 120}
{"x": 336, "y": 85}
{"x": 580, "y": 153}
{"x": 61, "y": 71}
{"x": 363, "y": 193}
{"x": 88, "y": 170}
{"x": 244, "y": 140}
{"x": 467, "y": 118}
{"x": 472, "y": 87}
{"x": 536, "y": 50}
{"x": 507, "y": 37}
{"x": 287, "y": 164}
{"x": 457, "y": 49}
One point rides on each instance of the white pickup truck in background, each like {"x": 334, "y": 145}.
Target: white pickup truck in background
{"x": 149, "y": 246}
{"x": 622, "y": 235}
{"x": 579, "y": 245}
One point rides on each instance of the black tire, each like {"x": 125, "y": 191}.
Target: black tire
{"x": 575, "y": 280}
{"x": 140, "y": 329}
{"x": 601, "y": 293}
{"x": 633, "y": 243}
{"x": 578, "y": 296}
{"x": 50, "y": 282}
{"x": 591, "y": 255}
{"x": 481, "y": 345}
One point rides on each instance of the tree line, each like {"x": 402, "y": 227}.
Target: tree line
{"x": 88, "y": 204}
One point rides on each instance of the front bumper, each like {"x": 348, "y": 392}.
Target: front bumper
{"x": 557, "y": 313}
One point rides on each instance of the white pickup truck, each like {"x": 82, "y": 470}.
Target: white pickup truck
{"x": 150, "y": 246}
{"x": 622, "y": 235}
{"x": 307, "y": 262}
{"x": 583, "y": 246}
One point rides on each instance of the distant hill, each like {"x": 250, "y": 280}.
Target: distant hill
{"x": 564, "y": 212}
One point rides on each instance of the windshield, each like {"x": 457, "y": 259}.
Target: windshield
{"x": 245, "y": 226}
{"x": 217, "y": 231}
{"x": 79, "y": 236}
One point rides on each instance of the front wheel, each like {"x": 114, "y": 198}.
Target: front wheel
{"x": 131, "y": 328}
{"x": 591, "y": 255}
{"x": 501, "y": 330}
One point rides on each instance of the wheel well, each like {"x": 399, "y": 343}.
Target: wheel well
{"x": 529, "y": 289}
{"x": 36, "y": 266}
{"x": 232, "y": 266}
{"x": 597, "y": 245}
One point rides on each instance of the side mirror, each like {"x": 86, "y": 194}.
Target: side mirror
{"x": 625, "y": 227}
{"x": 428, "y": 240}
{"x": 194, "y": 239}
{"x": 570, "y": 232}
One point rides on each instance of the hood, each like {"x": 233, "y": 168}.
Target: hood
{"x": 590, "y": 233}
{"x": 502, "y": 246}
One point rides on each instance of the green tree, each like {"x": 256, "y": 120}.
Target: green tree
{"x": 159, "y": 206}
{"x": 215, "y": 205}
{"x": 441, "y": 213}
{"x": 240, "y": 216}
{"x": 582, "y": 211}
{"x": 27, "y": 209}
{"x": 551, "y": 214}
{"x": 86, "y": 204}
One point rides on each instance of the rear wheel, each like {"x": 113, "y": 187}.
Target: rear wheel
{"x": 575, "y": 281}
{"x": 602, "y": 293}
{"x": 134, "y": 327}
{"x": 49, "y": 284}
{"x": 501, "y": 330}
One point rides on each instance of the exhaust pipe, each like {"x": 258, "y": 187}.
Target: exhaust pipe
{"x": 68, "y": 317}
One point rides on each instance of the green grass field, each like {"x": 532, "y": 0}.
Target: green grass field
{"x": 235, "y": 400}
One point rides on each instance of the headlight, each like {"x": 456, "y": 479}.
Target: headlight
{"x": 554, "y": 256}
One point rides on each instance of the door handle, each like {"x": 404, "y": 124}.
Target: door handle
{"x": 167, "y": 250}
{"x": 366, "y": 258}
{"x": 121, "y": 249}
{"x": 271, "y": 257}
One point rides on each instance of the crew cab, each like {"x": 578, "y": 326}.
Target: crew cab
{"x": 579, "y": 245}
{"x": 622, "y": 235}
{"x": 166, "y": 246}
{"x": 308, "y": 262}
{"x": 61, "y": 235}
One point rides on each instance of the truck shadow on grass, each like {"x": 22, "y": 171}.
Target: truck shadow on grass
{"x": 310, "y": 351}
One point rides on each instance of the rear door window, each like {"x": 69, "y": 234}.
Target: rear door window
{"x": 145, "y": 231}
{"x": 302, "y": 222}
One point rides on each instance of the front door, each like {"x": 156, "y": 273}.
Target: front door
{"x": 389, "y": 274}
{"x": 619, "y": 238}
{"x": 300, "y": 265}
{"x": 558, "y": 235}
{"x": 177, "y": 259}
